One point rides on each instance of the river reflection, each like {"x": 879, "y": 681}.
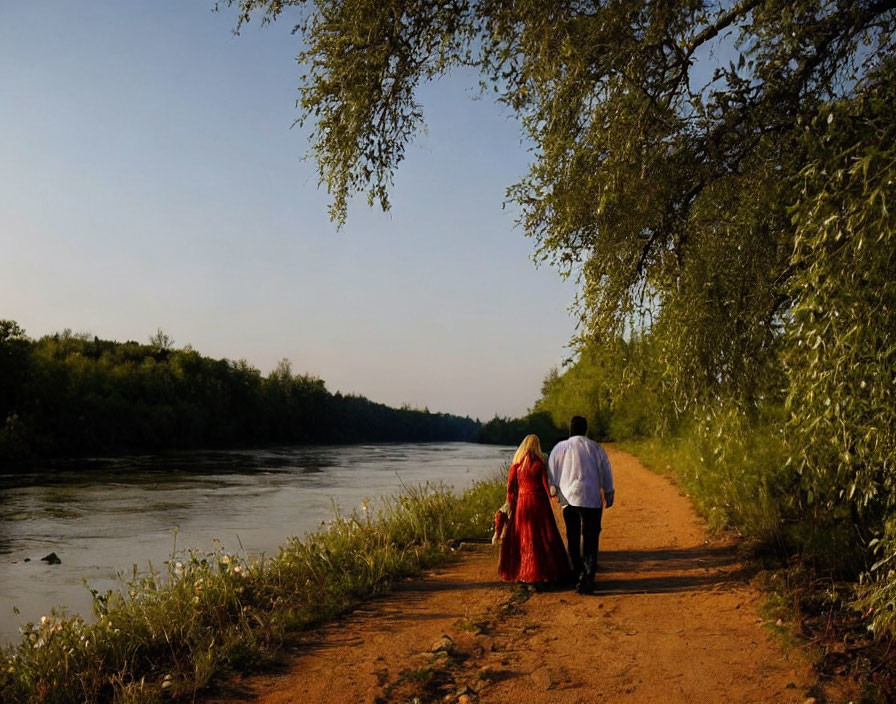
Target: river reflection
{"x": 103, "y": 516}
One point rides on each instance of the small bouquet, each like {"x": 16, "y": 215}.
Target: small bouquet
{"x": 502, "y": 516}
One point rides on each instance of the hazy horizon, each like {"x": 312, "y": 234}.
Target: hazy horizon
{"x": 149, "y": 179}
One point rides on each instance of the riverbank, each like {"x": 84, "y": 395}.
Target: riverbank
{"x": 103, "y": 517}
{"x": 168, "y": 634}
{"x": 676, "y": 618}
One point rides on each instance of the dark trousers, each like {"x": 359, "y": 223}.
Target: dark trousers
{"x": 583, "y": 525}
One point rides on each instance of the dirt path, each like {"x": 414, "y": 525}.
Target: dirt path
{"x": 673, "y": 620}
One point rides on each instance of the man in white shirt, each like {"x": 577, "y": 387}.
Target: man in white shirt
{"x": 580, "y": 470}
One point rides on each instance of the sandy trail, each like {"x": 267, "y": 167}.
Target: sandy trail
{"x": 673, "y": 619}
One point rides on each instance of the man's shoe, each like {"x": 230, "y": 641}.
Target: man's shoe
{"x": 585, "y": 585}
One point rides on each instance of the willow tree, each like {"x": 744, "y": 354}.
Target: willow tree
{"x": 713, "y": 174}
{"x": 667, "y": 137}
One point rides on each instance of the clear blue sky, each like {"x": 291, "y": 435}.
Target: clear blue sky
{"x": 149, "y": 179}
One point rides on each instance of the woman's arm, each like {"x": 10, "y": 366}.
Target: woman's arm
{"x": 544, "y": 480}
{"x": 511, "y": 487}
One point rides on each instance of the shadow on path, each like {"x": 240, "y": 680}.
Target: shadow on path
{"x": 666, "y": 570}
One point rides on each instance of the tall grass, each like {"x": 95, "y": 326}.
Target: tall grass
{"x": 737, "y": 472}
{"x": 167, "y": 634}
{"x": 734, "y": 470}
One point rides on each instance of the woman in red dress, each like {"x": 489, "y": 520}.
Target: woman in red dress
{"x": 532, "y": 549}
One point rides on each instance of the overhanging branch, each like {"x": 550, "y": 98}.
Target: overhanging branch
{"x": 724, "y": 20}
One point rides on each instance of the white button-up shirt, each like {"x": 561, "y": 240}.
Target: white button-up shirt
{"x": 580, "y": 469}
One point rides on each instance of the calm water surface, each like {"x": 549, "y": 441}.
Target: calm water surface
{"x": 103, "y": 516}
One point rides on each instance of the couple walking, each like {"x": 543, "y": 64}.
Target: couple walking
{"x": 578, "y": 473}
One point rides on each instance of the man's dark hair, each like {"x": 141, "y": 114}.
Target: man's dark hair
{"x": 578, "y": 426}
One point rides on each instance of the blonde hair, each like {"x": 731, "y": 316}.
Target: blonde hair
{"x": 530, "y": 443}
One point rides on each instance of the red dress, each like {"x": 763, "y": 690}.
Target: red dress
{"x": 532, "y": 549}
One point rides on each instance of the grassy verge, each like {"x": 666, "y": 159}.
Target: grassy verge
{"x": 739, "y": 483}
{"x": 807, "y": 603}
{"x": 166, "y": 635}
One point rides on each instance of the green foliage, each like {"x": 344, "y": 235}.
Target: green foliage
{"x": 617, "y": 386}
{"x": 735, "y": 471}
{"x": 732, "y": 235}
{"x": 664, "y": 190}
{"x": 15, "y": 365}
{"x": 842, "y": 339}
{"x": 165, "y": 636}
{"x": 582, "y": 390}
{"x": 841, "y": 343}
{"x": 66, "y": 395}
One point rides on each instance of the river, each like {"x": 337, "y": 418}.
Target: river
{"x": 103, "y": 516}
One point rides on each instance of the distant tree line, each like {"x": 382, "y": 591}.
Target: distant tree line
{"x": 70, "y": 394}
{"x": 511, "y": 431}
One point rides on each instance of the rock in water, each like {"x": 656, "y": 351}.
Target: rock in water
{"x": 52, "y": 559}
